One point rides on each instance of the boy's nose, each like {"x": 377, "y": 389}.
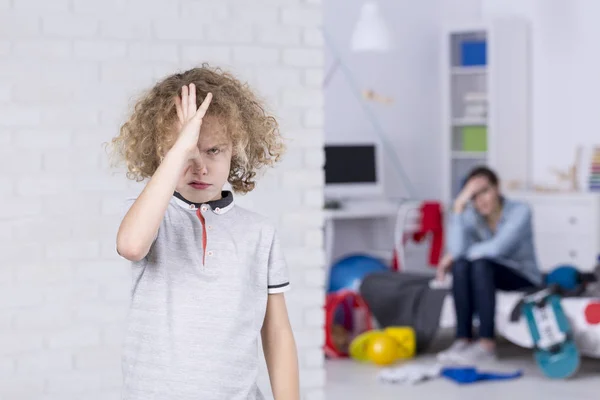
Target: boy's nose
{"x": 199, "y": 165}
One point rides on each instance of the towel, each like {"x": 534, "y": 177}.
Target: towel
{"x": 410, "y": 374}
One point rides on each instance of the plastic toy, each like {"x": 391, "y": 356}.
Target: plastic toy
{"x": 555, "y": 351}
{"x": 347, "y": 273}
{"x": 346, "y": 316}
{"x": 406, "y": 340}
{"x": 358, "y": 346}
{"x": 384, "y": 347}
{"x": 592, "y": 313}
{"x": 567, "y": 277}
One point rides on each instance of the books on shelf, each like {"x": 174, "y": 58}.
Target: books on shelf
{"x": 475, "y": 105}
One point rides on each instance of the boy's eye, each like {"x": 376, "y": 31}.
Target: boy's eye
{"x": 214, "y": 150}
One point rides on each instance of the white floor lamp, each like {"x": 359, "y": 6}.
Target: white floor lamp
{"x": 370, "y": 34}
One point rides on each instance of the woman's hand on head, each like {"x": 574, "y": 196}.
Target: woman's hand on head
{"x": 190, "y": 119}
{"x": 473, "y": 186}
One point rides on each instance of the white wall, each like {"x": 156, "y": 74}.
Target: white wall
{"x": 565, "y": 83}
{"x": 68, "y": 70}
{"x": 565, "y": 61}
{"x": 407, "y": 122}
{"x": 412, "y": 124}
{"x": 409, "y": 74}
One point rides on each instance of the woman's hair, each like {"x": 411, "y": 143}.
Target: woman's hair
{"x": 150, "y": 131}
{"x": 484, "y": 172}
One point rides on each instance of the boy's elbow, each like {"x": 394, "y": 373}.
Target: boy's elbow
{"x": 131, "y": 251}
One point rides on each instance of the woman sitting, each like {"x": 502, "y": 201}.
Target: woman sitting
{"x": 490, "y": 248}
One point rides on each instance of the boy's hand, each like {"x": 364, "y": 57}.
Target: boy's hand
{"x": 190, "y": 119}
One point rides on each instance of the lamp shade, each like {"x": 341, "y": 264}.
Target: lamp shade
{"x": 371, "y": 32}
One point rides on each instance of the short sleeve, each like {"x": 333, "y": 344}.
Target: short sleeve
{"x": 278, "y": 277}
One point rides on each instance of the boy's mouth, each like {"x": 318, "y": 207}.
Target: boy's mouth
{"x": 199, "y": 185}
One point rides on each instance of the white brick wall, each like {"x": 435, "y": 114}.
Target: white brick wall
{"x": 68, "y": 71}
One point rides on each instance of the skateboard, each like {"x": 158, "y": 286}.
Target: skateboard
{"x": 555, "y": 351}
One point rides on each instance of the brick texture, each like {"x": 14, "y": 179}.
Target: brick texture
{"x": 68, "y": 72}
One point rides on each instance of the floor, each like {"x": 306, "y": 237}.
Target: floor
{"x": 348, "y": 380}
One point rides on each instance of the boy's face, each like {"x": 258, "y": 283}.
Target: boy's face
{"x": 204, "y": 176}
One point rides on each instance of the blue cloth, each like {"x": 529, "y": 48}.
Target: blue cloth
{"x": 511, "y": 245}
{"x": 465, "y": 376}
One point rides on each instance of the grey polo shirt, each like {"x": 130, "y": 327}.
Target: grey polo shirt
{"x": 198, "y": 303}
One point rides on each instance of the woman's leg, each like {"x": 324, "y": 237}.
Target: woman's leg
{"x": 463, "y": 299}
{"x": 484, "y": 293}
{"x": 487, "y": 277}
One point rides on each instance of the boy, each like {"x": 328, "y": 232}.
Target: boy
{"x": 208, "y": 277}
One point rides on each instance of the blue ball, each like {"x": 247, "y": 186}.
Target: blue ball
{"x": 566, "y": 277}
{"x": 349, "y": 272}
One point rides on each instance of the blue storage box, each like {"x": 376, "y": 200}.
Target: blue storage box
{"x": 473, "y": 52}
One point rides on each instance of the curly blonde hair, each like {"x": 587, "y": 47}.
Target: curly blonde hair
{"x": 149, "y": 133}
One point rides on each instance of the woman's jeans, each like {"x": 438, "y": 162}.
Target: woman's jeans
{"x": 474, "y": 289}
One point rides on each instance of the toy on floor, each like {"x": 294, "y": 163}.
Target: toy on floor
{"x": 341, "y": 338}
{"x": 565, "y": 276}
{"x": 348, "y": 273}
{"x": 346, "y": 316}
{"x": 384, "y": 347}
{"x": 555, "y": 351}
{"x": 568, "y": 279}
{"x": 466, "y": 375}
{"x": 592, "y": 313}
{"x": 571, "y": 282}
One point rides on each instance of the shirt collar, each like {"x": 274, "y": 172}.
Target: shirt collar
{"x": 220, "y": 206}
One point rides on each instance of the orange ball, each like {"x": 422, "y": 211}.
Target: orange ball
{"x": 382, "y": 350}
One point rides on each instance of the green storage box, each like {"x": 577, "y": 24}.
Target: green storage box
{"x": 474, "y": 138}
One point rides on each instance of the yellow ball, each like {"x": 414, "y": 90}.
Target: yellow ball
{"x": 406, "y": 340}
{"x": 382, "y": 349}
{"x": 360, "y": 345}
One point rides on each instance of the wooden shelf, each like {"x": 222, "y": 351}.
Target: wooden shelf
{"x": 469, "y": 122}
{"x": 472, "y": 94}
{"x": 469, "y": 155}
{"x": 479, "y": 70}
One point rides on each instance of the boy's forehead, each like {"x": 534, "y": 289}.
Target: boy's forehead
{"x": 213, "y": 130}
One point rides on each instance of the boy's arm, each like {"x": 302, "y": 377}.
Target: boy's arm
{"x": 280, "y": 350}
{"x": 140, "y": 225}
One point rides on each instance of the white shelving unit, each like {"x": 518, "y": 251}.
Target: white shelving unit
{"x": 486, "y": 106}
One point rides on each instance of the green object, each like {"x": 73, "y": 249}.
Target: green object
{"x": 474, "y": 138}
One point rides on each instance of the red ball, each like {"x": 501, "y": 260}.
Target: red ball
{"x": 592, "y": 313}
